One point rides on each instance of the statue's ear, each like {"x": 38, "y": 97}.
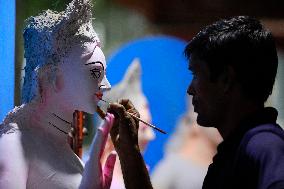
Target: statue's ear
{"x": 49, "y": 80}
{"x": 50, "y": 76}
{"x": 58, "y": 82}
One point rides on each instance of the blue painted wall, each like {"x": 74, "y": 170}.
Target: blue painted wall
{"x": 7, "y": 53}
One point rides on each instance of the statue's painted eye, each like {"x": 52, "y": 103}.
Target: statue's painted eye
{"x": 96, "y": 73}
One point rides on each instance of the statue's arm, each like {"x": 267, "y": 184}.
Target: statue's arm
{"x": 95, "y": 175}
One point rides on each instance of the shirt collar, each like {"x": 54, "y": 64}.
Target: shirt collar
{"x": 264, "y": 116}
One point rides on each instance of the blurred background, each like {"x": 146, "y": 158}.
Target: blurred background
{"x": 135, "y": 28}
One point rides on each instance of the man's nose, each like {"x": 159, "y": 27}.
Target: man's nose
{"x": 190, "y": 90}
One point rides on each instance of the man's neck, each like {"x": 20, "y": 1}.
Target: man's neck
{"x": 236, "y": 113}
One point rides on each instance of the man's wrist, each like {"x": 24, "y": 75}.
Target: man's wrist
{"x": 135, "y": 173}
{"x": 127, "y": 150}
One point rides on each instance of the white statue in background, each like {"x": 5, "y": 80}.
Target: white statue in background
{"x": 65, "y": 71}
{"x": 188, "y": 153}
{"x": 130, "y": 87}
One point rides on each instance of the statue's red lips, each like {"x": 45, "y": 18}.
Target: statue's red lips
{"x": 99, "y": 95}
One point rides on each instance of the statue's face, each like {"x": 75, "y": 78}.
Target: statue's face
{"x": 83, "y": 78}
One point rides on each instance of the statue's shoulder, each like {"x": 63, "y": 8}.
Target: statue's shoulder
{"x": 10, "y": 139}
{"x": 11, "y": 122}
{"x": 8, "y": 128}
{"x": 13, "y": 155}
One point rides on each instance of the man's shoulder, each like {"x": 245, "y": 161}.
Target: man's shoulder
{"x": 264, "y": 133}
{"x": 263, "y": 140}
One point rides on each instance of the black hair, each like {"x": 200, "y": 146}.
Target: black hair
{"x": 246, "y": 45}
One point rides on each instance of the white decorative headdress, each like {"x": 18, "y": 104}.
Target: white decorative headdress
{"x": 49, "y": 36}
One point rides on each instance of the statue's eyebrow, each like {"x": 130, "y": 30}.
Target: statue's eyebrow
{"x": 96, "y": 62}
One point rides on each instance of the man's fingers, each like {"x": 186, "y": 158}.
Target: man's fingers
{"x": 134, "y": 112}
{"x": 127, "y": 104}
{"x": 108, "y": 169}
{"x": 118, "y": 109}
{"x": 114, "y": 133}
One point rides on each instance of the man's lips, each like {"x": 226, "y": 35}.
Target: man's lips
{"x": 194, "y": 105}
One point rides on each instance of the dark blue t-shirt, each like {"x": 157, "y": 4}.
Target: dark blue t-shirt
{"x": 252, "y": 158}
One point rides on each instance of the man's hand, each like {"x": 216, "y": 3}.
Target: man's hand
{"x": 94, "y": 176}
{"x": 124, "y": 133}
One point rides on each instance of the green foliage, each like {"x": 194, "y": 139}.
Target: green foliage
{"x": 33, "y": 7}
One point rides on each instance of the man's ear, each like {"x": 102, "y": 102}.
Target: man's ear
{"x": 58, "y": 82}
{"x": 228, "y": 79}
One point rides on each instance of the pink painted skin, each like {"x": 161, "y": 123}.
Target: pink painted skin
{"x": 95, "y": 176}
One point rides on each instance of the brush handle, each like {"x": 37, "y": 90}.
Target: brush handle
{"x": 148, "y": 124}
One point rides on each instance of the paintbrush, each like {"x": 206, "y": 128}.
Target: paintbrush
{"x": 146, "y": 123}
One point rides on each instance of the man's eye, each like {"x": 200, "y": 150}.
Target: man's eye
{"x": 96, "y": 73}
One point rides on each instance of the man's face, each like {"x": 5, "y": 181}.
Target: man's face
{"x": 84, "y": 79}
{"x": 206, "y": 94}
